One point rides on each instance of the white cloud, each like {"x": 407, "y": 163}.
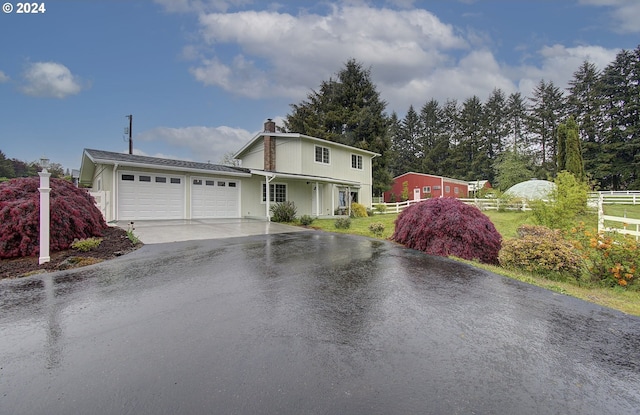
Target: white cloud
{"x": 203, "y": 143}
{"x": 50, "y": 79}
{"x": 4, "y": 77}
{"x": 559, "y": 63}
{"x": 414, "y": 56}
{"x": 285, "y": 55}
{"x": 625, "y": 14}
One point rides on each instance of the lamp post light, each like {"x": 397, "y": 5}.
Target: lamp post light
{"x": 45, "y": 214}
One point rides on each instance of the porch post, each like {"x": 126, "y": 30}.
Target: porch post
{"x": 317, "y": 199}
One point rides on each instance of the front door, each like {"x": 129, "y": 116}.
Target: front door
{"x": 416, "y": 194}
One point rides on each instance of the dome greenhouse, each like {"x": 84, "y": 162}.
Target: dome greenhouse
{"x": 531, "y": 189}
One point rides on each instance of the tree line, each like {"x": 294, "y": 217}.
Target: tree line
{"x": 591, "y": 129}
{"x": 12, "y": 168}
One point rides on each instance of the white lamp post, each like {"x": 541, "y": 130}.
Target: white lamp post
{"x": 45, "y": 214}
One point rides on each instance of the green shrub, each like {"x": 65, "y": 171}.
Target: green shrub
{"x": 376, "y": 228}
{"x": 306, "y": 220}
{"x": 567, "y": 203}
{"x": 610, "y": 259}
{"x": 283, "y": 212}
{"x": 358, "y": 210}
{"x": 380, "y": 208}
{"x": 85, "y": 245}
{"x": 343, "y": 223}
{"x": 542, "y": 251}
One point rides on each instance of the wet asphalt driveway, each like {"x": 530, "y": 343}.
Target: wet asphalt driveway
{"x": 306, "y": 323}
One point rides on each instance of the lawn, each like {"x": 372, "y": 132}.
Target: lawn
{"x": 507, "y": 224}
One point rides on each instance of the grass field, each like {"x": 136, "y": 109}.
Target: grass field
{"x": 507, "y": 224}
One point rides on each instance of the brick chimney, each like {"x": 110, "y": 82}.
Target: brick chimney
{"x": 269, "y": 146}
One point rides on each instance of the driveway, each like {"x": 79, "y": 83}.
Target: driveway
{"x": 162, "y": 231}
{"x": 306, "y": 323}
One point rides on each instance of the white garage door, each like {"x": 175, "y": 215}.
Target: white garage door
{"x": 150, "y": 196}
{"x": 215, "y": 198}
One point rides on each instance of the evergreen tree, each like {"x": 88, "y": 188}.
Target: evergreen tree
{"x": 583, "y": 104}
{"x": 348, "y": 110}
{"x": 472, "y": 151}
{"x": 618, "y": 163}
{"x": 496, "y": 126}
{"x": 435, "y": 140}
{"x": 544, "y": 117}
{"x": 452, "y": 134}
{"x": 573, "y": 159}
{"x": 516, "y": 122}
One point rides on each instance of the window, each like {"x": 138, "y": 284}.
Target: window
{"x": 145, "y": 179}
{"x": 277, "y": 192}
{"x": 436, "y": 187}
{"x": 356, "y": 162}
{"x": 222, "y": 184}
{"x": 127, "y": 177}
{"x": 232, "y": 184}
{"x": 426, "y": 189}
{"x": 210, "y": 183}
{"x": 322, "y": 154}
{"x": 456, "y": 190}
{"x": 175, "y": 180}
{"x": 447, "y": 189}
{"x": 161, "y": 179}
{"x": 197, "y": 182}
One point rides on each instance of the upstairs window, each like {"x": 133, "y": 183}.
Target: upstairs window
{"x": 322, "y": 155}
{"x": 356, "y": 162}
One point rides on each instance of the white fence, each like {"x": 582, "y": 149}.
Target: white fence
{"x": 102, "y": 203}
{"x": 482, "y": 204}
{"x": 627, "y": 226}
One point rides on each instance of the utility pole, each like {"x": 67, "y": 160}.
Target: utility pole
{"x": 130, "y": 117}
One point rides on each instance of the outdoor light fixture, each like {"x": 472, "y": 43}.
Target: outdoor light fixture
{"x": 44, "y": 163}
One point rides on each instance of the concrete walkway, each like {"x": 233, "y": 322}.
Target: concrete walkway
{"x": 163, "y": 231}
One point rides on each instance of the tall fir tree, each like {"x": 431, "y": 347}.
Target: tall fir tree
{"x": 348, "y": 110}
{"x": 545, "y": 114}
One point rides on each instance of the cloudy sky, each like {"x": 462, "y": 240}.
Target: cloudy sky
{"x": 201, "y": 76}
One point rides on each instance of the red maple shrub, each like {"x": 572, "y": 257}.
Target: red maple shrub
{"x": 448, "y": 227}
{"x": 74, "y": 215}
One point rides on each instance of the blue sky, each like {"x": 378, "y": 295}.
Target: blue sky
{"x": 201, "y": 76}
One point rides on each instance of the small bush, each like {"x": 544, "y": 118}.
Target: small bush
{"x": 283, "y": 212}
{"x": 543, "y": 251}
{"x": 610, "y": 259}
{"x": 376, "y": 228}
{"x": 380, "y": 208}
{"x": 306, "y": 220}
{"x": 343, "y": 223}
{"x": 85, "y": 245}
{"x": 567, "y": 203}
{"x": 447, "y": 226}
{"x": 358, "y": 210}
{"x": 74, "y": 215}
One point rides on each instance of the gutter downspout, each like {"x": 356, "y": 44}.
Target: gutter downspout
{"x": 115, "y": 193}
{"x": 268, "y": 196}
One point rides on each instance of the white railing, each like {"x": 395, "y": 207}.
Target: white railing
{"x": 482, "y": 204}
{"x": 630, "y": 198}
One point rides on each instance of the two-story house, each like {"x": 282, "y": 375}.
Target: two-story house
{"x": 321, "y": 177}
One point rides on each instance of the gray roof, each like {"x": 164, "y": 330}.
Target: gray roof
{"x": 109, "y": 157}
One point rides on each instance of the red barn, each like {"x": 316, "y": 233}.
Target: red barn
{"x": 423, "y": 186}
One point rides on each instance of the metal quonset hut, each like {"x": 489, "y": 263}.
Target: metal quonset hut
{"x": 132, "y": 187}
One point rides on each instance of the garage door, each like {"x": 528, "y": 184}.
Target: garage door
{"x": 150, "y": 196}
{"x": 215, "y": 198}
